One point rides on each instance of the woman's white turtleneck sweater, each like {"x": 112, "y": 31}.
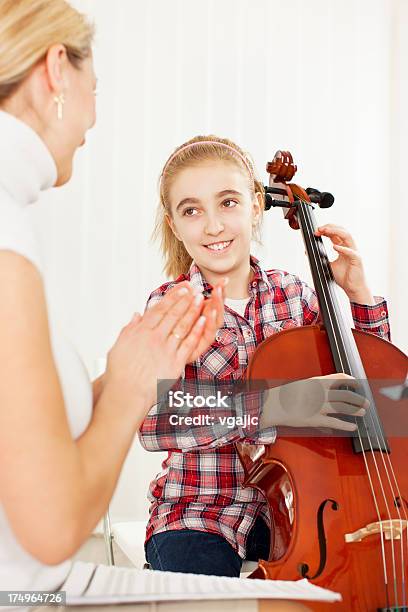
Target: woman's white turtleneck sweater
{"x": 27, "y": 168}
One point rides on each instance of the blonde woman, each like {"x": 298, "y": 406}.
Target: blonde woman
{"x": 55, "y": 484}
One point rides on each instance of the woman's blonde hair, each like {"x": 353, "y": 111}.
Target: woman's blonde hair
{"x": 28, "y": 28}
{"x": 192, "y": 153}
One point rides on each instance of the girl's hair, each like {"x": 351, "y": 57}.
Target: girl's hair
{"x": 28, "y": 28}
{"x": 192, "y": 153}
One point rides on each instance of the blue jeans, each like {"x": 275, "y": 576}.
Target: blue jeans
{"x": 200, "y": 552}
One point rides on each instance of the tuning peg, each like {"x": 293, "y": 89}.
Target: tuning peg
{"x": 323, "y": 199}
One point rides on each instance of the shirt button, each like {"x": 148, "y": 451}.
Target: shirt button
{"x": 383, "y": 313}
{"x": 254, "y": 284}
{"x": 247, "y": 333}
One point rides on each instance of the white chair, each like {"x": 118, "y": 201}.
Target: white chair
{"x": 108, "y": 536}
{"x": 130, "y": 537}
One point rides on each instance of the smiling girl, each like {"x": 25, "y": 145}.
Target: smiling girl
{"x": 211, "y": 204}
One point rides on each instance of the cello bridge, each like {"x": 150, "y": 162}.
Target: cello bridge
{"x": 391, "y": 529}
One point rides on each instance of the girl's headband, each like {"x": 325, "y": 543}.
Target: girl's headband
{"x": 212, "y": 142}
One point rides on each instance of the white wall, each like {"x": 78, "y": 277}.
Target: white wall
{"x": 322, "y": 78}
{"x": 397, "y": 161}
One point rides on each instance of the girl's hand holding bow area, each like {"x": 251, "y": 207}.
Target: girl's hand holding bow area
{"x": 315, "y": 402}
{"x": 348, "y": 268}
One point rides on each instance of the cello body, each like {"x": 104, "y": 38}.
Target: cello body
{"x": 317, "y": 487}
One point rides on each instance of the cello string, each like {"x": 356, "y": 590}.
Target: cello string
{"x": 317, "y": 261}
{"x": 378, "y": 431}
{"x": 395, "y": 497}
{"x": 404, "y": 568}
{"x": 319, "y": 264}
{"x": 404, "y": 507}
{"x": 389, "y": 515}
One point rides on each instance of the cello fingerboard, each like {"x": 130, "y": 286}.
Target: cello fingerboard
{"x": 370, "y": 435}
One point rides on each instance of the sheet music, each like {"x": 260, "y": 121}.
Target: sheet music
{"x": 90, "y": 584}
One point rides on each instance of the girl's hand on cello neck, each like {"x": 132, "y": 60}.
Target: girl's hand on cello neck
{"x": 348, "y": 268}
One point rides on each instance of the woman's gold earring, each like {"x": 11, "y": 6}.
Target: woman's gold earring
{"x": 60, "y": 101}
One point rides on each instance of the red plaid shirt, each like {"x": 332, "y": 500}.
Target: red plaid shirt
{"x": 199, "y": 486}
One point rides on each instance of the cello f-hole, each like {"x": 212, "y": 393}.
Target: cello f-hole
{"x": 304, "y": 567}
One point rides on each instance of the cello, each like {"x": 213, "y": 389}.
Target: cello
{"x": 338, "y": 505}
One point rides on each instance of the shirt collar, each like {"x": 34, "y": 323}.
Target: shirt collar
{"x": 259, "y": 279}
{"x": 26, "y": 165}
{"x": 197, "y": 279}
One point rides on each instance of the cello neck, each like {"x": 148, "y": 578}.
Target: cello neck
{"x": 299, "y": 212}
{"x": 370, "y": 434}
{"x": 343, "y": 347}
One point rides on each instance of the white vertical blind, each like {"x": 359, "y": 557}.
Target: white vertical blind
{"x": 322, "y": 78}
